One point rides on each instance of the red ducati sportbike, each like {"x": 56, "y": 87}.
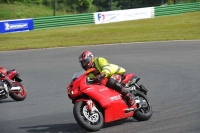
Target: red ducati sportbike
{"x": 15, "y": 89}
{"x": 95, "y": 104}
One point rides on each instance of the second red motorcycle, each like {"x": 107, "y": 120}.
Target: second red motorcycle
{"x": 10, "y": 85}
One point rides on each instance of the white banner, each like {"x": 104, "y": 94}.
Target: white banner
{"x": 123, "y": 15}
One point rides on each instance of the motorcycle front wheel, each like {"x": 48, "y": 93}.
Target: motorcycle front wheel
{"x": 18, "y": 95}
{"x": 90, "y": 121}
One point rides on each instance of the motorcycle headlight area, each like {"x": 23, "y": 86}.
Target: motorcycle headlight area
{"x": 70, "y": 92}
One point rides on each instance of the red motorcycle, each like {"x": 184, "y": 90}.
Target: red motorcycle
{"x": 10, "y": 85}
{"x": 95, "y": 104}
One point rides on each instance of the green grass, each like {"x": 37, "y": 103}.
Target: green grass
{"x": 178, "y": 27}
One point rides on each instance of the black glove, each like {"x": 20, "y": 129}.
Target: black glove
{"x": 99, "y": 77}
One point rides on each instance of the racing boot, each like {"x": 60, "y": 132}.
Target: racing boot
{"x": 130, "y": 99}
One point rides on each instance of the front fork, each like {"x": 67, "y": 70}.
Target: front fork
{"x": 90, "y": 105}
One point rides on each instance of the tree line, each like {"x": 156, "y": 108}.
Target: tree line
{"x": 86, "y": 6}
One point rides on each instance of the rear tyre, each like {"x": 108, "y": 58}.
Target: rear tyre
{"x": 90, "y": 122}
{"x": 145, "y": 112}
{"x": 18, "y": 95}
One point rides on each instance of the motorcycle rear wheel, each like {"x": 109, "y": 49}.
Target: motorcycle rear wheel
{"x": 145, "y": 112}
{"x": 90, "y": 122}
{"x": 18, "y": 95}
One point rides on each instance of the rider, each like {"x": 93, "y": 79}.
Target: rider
{"x": 105, "y": 69}
{"x": 3, "y": 76}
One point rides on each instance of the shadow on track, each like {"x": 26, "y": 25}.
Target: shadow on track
{"x": 68, "y": 127}
{"x": 55, "y": 128}
{"x": 6, "y": 101}
{"x": 119, "y": 122}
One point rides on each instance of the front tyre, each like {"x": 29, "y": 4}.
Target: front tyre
{"x": 145, "y": 112}
{"x": 18, "y": 95}
{"x": 90, "y": 121}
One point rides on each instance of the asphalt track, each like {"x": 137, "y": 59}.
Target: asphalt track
{"x": 170, "y": 70}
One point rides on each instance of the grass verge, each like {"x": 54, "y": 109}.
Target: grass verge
{"x": 177, "y": 27}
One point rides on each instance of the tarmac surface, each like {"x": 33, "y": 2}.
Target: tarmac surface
{"x": 170, "y": 70}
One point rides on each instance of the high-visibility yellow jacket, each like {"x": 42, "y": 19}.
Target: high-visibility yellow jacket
{"x": 103, "y": 65}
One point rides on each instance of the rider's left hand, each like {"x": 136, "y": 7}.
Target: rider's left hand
{"x": 99, "y": 77}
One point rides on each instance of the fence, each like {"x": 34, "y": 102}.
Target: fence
{"x": 66, "y": 20}
{"x": 101, "y": 17}
{"x": 79, "y": 19}
{"x": 176, "y": 9}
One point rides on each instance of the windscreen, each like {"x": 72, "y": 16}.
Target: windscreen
{"x": 77, "y": 74}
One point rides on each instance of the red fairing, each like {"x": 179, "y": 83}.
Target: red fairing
{"x": 116, "y": 112}
{"x": 104, "y": 81}
{"x": 3, "y": 70}
{"x": 109, "y": 100}
{"x": 127, "y": 77}
{"x": 79, "y": 86}
{"x": 11, "y": 74}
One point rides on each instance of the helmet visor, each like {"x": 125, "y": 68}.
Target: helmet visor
{"x": 84, "y": 63}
